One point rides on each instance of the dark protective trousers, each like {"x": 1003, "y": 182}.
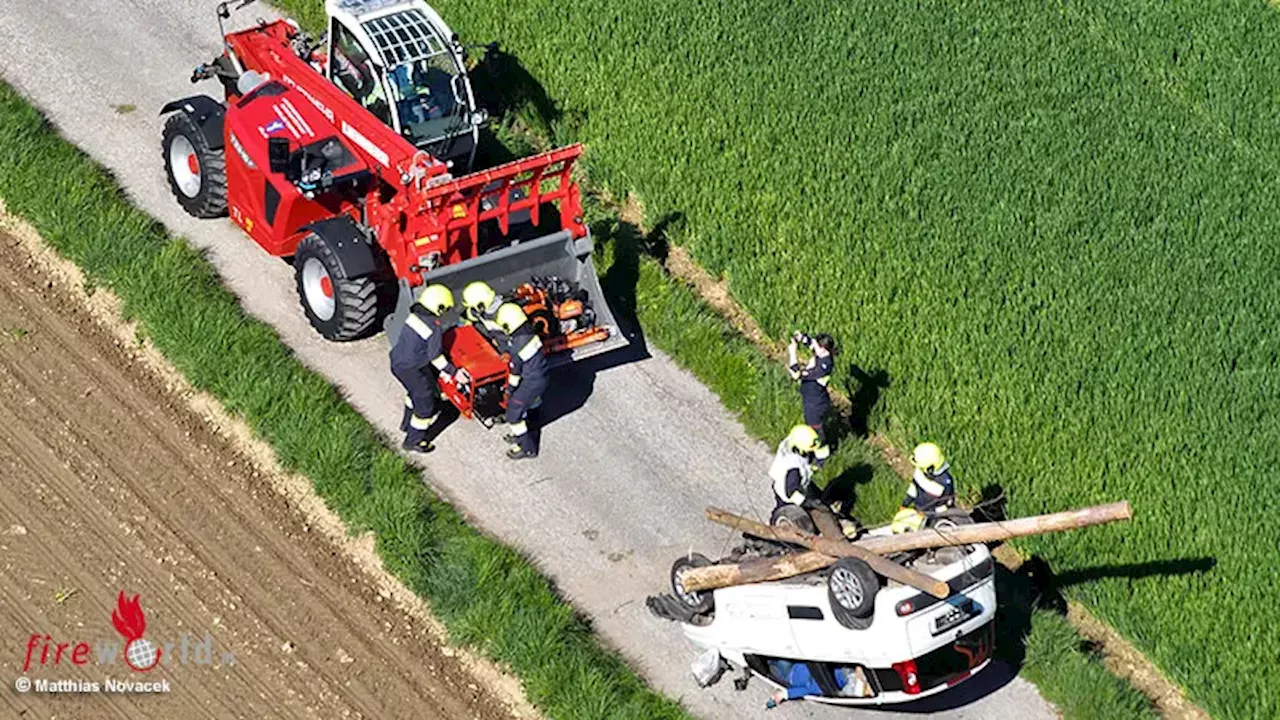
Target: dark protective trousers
{"x": 421, "y": 386}
{"x": 526, "y": 396}
{"x": 815, "y": 414}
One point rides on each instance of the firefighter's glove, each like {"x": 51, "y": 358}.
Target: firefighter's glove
{"x": 462, "y": 377}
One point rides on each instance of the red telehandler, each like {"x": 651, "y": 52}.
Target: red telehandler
{"x": 340, "y": 154}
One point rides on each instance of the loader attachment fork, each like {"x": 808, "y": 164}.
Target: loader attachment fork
{"x": 556, "y": 255}
{"x": 517, "y": 199}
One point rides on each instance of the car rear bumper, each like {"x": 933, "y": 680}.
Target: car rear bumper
{"x": 899, "y": 697}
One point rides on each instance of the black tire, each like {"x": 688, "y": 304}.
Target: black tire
{"x": 948, "y": 519}
{"x": 698, "y": 602}
{"x": 851, "y": 591}
{"x": 199, "y": 183}
{"x": 354, "y": 300}
{"x": 793, "y": 516}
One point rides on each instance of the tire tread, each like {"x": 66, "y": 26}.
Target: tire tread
{"x": 211, "y": 200}
{"x": 356, "y": 299}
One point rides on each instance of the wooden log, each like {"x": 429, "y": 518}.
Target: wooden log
{"x": 754, "y": 571}
{"x": 834, "y": 548}
{"x": 996, "y": 531}
{"x": 826, "y": 522}
{"x": 780, "y": 568}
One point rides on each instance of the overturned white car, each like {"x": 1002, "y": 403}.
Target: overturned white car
{"x": 864, "y": 640}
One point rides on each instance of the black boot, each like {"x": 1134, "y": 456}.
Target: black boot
{"x": 404, "y": 420}
{"x": 422, "y": 446}
{"x": 417, "y": 441}
{"x": 515, "y": 452}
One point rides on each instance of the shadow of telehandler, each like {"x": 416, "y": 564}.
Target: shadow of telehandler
{"x": 572, "y": 385}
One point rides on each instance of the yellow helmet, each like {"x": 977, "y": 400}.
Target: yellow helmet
{"x": 436, "y": 298}
{"x": 478, "y": 295}
{"x": 803, "y": 439}
{"x": 510, "y": 316}
{"x": 928, "y": 457}
{"x": 907, "y": 519}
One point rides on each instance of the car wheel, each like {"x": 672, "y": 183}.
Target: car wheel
{"x": 851, "y": 589}
{"x": 795, "y": 517}
{"x": 949, "y": 520}
{"x": 699, "y": 602}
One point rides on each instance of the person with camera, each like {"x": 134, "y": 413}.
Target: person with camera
{"x": 813, "y": 376}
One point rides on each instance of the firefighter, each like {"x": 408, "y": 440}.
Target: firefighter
{"x": 416, "y": 360}
{"x": 527, "y": 377}
{"x": 480, "y": 306}
{"x": 793, "y": 465}
{"x": 814, "y": 376}
{"x": 931, "y": 489}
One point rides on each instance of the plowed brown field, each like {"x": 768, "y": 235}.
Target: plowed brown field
{"x": 110, "y": 482}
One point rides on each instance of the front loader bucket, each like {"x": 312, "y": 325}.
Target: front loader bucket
{"x": 558, "y": 254}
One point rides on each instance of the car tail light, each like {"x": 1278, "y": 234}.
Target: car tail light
{"x": 910, "y": 680}
{"x": 905, "y": 608}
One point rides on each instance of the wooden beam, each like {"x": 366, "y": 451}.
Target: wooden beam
{"x": 996, "y": 531}
{"x": 792, "y": 564}
{"x": 834, "y": 548}
{"x": 753, "y": 571}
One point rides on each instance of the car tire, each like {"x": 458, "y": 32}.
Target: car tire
{"x": 949, "y": 519}
{"x": 793, "y": 516}
{"x": 197, "y": 173}
{"x": 699, "y": 603}
{"x": 851, "y": 590}
{"x": 338, "y": 307}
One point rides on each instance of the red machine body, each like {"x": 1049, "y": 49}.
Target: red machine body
{"x": 483, "y": 396}
{"x": 317, "y": 170}
{"x": 421, "y": 216}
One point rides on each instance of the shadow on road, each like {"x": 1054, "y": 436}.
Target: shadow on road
{"x": 572, "y": 385}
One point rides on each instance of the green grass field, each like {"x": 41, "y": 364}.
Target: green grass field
{"x": 1050, "y": 222}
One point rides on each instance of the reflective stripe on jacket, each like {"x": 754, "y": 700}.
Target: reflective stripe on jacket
{"x": 528, "y": 362}
{"x": 784, "y": 461}
{"x": 424, "y": 346}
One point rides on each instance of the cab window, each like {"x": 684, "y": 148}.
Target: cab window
{"x": 353, "y": 70}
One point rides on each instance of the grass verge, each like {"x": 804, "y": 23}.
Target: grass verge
{"x": 486, "y": 594}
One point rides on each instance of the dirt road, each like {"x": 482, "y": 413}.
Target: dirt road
{"x": 110, "y": 483}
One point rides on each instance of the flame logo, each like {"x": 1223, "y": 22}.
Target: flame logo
{"x": 131, "y": 623}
